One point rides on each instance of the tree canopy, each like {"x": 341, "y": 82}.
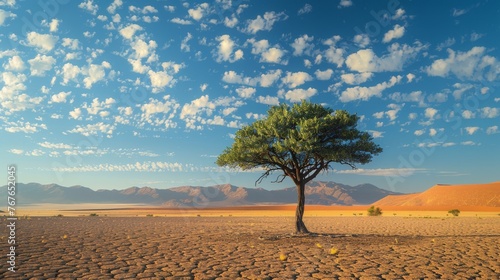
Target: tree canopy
{"x": 301, "y": 141}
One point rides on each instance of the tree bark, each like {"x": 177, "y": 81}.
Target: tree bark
{"x": 300, "y": 227}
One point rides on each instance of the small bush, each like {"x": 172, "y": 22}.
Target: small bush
{"x": 372, "y": 211}
{"x": 454, "y": 212}
{"x": 149, "y": 215}
{"x": 93, "y": 215}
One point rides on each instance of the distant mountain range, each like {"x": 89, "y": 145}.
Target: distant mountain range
{"x": 318, "y": 193}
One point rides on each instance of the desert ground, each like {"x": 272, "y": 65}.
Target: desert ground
{"x": 255, "y": 244}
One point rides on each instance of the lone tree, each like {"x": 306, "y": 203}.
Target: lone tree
{"x": 301, "y": 141}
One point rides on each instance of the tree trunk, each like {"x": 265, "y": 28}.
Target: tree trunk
{"x": 300, "y": 227}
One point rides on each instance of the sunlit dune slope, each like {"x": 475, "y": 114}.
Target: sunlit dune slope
{"x": 449, "y": 195}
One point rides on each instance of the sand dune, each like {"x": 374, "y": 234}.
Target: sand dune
{"x": 472, "y": 195}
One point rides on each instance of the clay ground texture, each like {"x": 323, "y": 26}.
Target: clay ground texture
{"x": 231, "y": 247}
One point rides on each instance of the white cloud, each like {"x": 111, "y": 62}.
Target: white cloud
{"x": 116, "y": 18}
{"x": 492, "y": 130}
{"x": 268, "y": 100}
{"x": 89, "y": 6}
{"x": 166, "y": 109}
{"x": 60, "y": 97}
{"x": 415, "y": 96}
{"x": 410, "y": 77}
{"x": 367, "y": 61}
{"x": 71, "y": 44}
{"x": 181, "y": 21}
{"x": 376, "y": 134}
{"x": 129, "y": 31}
{"x": 43, "y": 42}
{"x": 419, "y": 132}
{"x": 430, "y": 113}
{"x": 265, "y": 22}
{"x": 395, "y": 33}
{"x": 228, "y": 111}
{"x": 76, "y": 113}
{"x": 265, "y": 80}
{"x": 230, "y": 22}
{"x": 115, "y": 5}
{"x": 386, "y": 172}
{"x": 468, "y": 114}
{"x": 200, "y": 11}
{"x": 137, "y": 66}
{"x": 245, "y": 92}
{"x": 94, "y": 129}
{"x": 412, "y": 116}
{"x": 273, "y": 55}
{"x": 4, "y": 15}
{"x": 305, "y": 10}
{"x": 356, "y": 79}
{"x": 184, "y": 44}
{"x": 94, "y": 73}
{"x": 471, "y": 65}
{"x": 16, "y": 151}
{"x": 203, "y": 87}
{"x": 447, "y": 43}
{"x": 296, "y": 79}
{"x": 54, "y": 25}
{"x": 147, "y": 9}
{"x": 323, "y": 75}
{"x": 225, "y": 50}
{"x": 49, "y": 145}
{"x": 333, "y": 54}
{"x": 345, "y": 4}
{"x": 159, "y": 80}
{"x": 489, "y": 112}
{"x": 268, "y": 79}
{"x": 269, "y": 55}
{"x": 400, "y": 14}
{"x": 302, "y": 45}
{"x": 297, "y": 95}
{"x": 191, "y": 113}
{"x": 459, "y": 12}
{"x": 471, "y": 129}
{"x": 148, "y": 166}
{"x": 362, "y": 40}
{"x": 26, "y": 127}
{"x": 15, "y": 64}
{"x": 365, "y": 93}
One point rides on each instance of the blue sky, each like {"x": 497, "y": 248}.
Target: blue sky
{"x": 134, "y": 93}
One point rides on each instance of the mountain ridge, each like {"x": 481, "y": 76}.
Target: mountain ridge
{"x": 317, "y": 192}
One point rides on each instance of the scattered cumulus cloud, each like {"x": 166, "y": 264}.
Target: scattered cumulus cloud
{"x": 305, "y": 10}
{"x": 395, "y": 33}
{"x": 474, "y": 65}
{"x": 264, "y": 22}
{"x": 365, "y": 93}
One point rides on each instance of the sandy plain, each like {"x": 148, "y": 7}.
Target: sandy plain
{"x": 219, "y": 245}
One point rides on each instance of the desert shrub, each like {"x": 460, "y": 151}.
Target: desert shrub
{"x": 454, "y": 212}
{"x": 372, "y": 211}
{"x": 93, "y": 215}
{"x": 149, "y": 215}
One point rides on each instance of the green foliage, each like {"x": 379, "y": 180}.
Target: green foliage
{"x": 372, "y": 211}
{"x": 93, "y": 215}
{"x": 300, "y": 140}
{"x": 454, "y": 212}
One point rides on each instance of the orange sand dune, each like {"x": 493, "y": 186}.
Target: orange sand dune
{"x": 473, "y": 195}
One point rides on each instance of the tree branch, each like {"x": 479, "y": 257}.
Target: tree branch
{"x": 348, "y": 163}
